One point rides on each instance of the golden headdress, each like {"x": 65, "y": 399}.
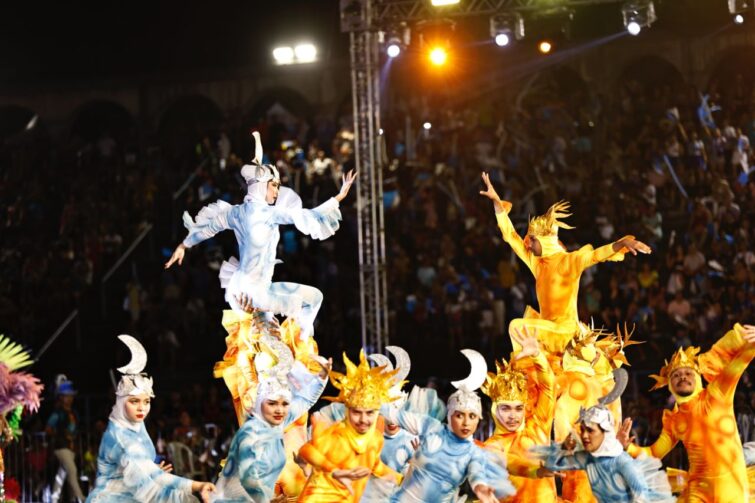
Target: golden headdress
{"x": 612, "y": 345}
{"x": 362, "y": 386}
{"x": 548, "y": 224}
{"x": 581, "y": 352}
{"x": 686, "y": 358}
{"x": 506, "y": 385}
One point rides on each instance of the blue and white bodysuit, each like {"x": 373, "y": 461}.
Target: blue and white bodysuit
{"x": 257, "y": 455}
{"x": 444, "y": 461}
{"x": 127, "y": 472}
{"x": 255, "y": 224}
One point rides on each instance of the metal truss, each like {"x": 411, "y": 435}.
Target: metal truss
{"x": 386, "y": 11}
{"x": 372, "y": 266}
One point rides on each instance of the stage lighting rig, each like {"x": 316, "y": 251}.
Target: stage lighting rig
{"x": 506, "y": 27}
{"x": 435, "y": 40}
{"x": 638, "y": 14}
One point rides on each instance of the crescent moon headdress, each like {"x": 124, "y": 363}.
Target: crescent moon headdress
{"x": 257, "y": 172}
{"x": 403, "y": 365}
{"x": 466, "y": 398}
{"x": 134, "y": 381}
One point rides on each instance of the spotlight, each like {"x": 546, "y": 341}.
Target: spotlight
{"x": 638, "y": 14}
{"x": 283, "y": 55}
{"x": 506, "y": 27}
{"x": 441, "y": 3}
{"x": 438, "y": 56}
{"x": 305, "y": 53}
{"x": 396, "y": 39}
{"x": 738, "y": 8}
{"x": 427, "y": 126}
{"x": 545, "y": 47}
{"x": 502, "y": 40}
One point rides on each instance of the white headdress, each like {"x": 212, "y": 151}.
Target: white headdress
{"x": 257, "y": 174}
{"x": 133, "y": 383}
{"x": 601, "y": 416}
{"x": 274, "y": 365}
{"x": 466, "y": 398}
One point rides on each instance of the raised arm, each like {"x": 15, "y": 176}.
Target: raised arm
{"x": 544, "y": 377}
{"x": 416, "y": 424}
{"x": 509, "y": 234}
{"x": 730, "y": 355}
{"x": 613, "y": 252}
{"x": 209, "y": 221}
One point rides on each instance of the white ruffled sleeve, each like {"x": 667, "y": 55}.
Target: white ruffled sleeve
{"x": 210, "y": 220}
{"x": 319, "y": 223}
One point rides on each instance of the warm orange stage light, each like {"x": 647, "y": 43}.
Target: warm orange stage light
{"x": 544, "y": 47}
{"x": 438, "y": 56}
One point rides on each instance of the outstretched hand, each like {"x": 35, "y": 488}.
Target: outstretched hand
{"x": 325, "y": 367}
{"x": 245, "y": 302}
{"x": 527, "y": 341}
{"x": 348, "y": 180}
{"x": 178, "y": 256}
{"x": 634, "y": 246}
{"x": 624, "y": 435}
{"x": 490, "y": 193}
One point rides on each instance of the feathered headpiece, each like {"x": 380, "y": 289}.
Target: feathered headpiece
{"x": 134, "y": 381}
{"x": 362, "y": 386}
{"x": 548, "y": 224}
{"x": 506, "y": 385}
{"x": 686, "y": 358}
{"x": 16, "y": 388}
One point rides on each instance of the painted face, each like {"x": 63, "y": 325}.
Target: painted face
{"x": 137, "y": 407}
{"x": 272, "y": 191}
{"x": 532, "y": 244}
{"x": 510, "y": 415}
{"x": 592, "y": 436}
{"x": 464, "y": 424}
{"x": 361, "y": 419}
{"x": 275, "y": 411}
{"x": 682, "y": 381}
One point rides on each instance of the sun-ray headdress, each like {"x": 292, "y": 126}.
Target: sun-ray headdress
{"x": 612, "y": 345}
{"x": 506, "y": 385}
{"x": 682, "y": 358}
{"x": 362, "y": 386}
{"x": 549, "y": 223}
{"x": 16, "y": 388}
{"x": 581, "y": 353}
{"x": 403, "y": 366}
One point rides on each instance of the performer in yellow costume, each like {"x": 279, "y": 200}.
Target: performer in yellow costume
{"x": 556, "y": 270}
{"x": 703, "y": 418}
{"x": 514, "y": 433}
{"x": 345, "y": 454}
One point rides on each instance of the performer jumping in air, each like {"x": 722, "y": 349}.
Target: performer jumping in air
{"x": 514, "y": 434}
{"x": 126, "y": 470}
{"x": 703, "y": 418}
{"x": 255, "y": 223}
{"x": 556, "y": 270}
{"x": 257, "y": 456}
{"x": 447, "y": 454}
